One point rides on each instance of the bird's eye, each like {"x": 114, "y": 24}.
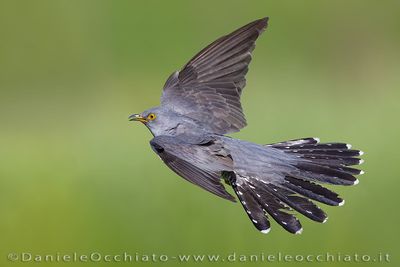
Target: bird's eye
{"x": 151, "y": 117}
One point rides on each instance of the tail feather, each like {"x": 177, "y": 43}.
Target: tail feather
{"x": 346, "y": 169}
{"x": 326, "y": 152}
{"x": 296, "y": 142}
{"x": 277, "y": 210}
{"x": 313, "y": 191}
{"x": 320, "y": 173}
{"x": 258, "y": 203}
{"x": 316, "y": 145}
{"x": 287, "y": 220}
{"x": 332, "y": 154}
{"x": 300, "y": 204}
{"x": 252, "y": 207}
{"x": 326, "y": 162}
{"x": 331, "y": 161}
{"x": 294, "y": 184}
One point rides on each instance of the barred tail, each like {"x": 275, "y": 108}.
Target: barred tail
{"x": 258, "y": 202}
{"x": 324, "y": 163}
{"x": 312, "y": 163}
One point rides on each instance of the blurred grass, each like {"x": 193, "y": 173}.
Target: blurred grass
{"x": 77, "y": 176}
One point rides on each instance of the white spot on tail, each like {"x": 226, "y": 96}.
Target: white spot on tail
{"x": 360, "y": 153}
{"x": 361, "y": 172}
{"x": 317, "y": 139}
{"x": 299, "y": 231}
{"x": 341, "y": 203}
{"x": 361, "y": 161}
{"x": 266, "y": 231}
{"x": 348, "y": 146}
{"x": 254, "y": 221}
{"x": 326, "y": 219}
{"x": 356, "y": 182}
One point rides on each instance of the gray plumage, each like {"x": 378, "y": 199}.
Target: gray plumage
{"x": 201, "y": 103}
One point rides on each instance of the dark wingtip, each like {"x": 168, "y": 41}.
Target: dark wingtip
{"x": 263, "y": 23}
{"x": 260, "y": 25}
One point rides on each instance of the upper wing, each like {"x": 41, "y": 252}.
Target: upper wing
{"x": 178, "y": 157}
{"x": 209, "y": 86}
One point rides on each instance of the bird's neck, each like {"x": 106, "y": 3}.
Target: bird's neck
{"x": 179, "y": 128}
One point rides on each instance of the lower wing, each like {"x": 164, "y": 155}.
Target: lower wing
{"x": 179, "y": 157}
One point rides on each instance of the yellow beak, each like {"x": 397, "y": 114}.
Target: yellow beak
{"x": 137, "y": 117}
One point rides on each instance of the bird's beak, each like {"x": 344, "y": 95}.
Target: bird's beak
{"x": 137, "y": 117}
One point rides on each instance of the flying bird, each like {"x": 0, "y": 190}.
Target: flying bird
{"x": 200, "y": 104}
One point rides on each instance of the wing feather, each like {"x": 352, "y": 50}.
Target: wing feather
{"x": 209, "y": 86}
{"x": 178, "y": 160}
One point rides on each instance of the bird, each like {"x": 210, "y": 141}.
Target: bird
{"x": 200, "y": 106}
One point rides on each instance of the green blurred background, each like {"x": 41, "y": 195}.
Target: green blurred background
{"x": 77, "y": 176}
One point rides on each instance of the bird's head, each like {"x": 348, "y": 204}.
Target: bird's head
{"x": 157, "y": 120}
{"x": 144, "y": 117}
{"x": 165, "y": 121}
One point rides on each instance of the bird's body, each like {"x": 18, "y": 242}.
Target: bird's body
{"x": 201, "y": 103}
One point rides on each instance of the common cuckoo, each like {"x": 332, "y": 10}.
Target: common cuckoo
{"x": 200, "y": 104}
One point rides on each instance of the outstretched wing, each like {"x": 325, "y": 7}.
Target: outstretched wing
{"x": 209, "y": 86}
{"x": 182, "y": 158}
